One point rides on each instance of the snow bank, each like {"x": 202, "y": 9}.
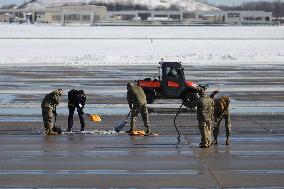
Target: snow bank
{"x": 55, "y": 45}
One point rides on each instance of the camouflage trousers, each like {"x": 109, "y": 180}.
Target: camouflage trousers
{"x": 218, "y": 119}
{"x": 47, "y": 117}
{"x": 205, "y": 130}
{"x": 144, "y": 113}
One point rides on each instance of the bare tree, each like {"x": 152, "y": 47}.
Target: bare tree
{"x": 276, "y": 7}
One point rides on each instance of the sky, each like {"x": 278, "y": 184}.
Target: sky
{"x": 216, "y": 2}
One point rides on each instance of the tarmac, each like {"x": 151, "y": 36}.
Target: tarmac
{"x": 254, "y": 158}
{"x": 100, "y": 158}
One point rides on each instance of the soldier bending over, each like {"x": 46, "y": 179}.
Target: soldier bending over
{"x": 48, "y": 107}
{"x": 221, "y": 111}
{"x": 137, "y": 103}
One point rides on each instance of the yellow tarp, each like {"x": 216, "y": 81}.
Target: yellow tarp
{"x": 95, "y": 118}
{"x": 137, "y": 133}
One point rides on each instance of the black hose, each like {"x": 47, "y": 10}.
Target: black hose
{"x": 179, "y": 136}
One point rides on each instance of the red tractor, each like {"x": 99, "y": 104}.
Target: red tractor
{"x": 171, "y": 84}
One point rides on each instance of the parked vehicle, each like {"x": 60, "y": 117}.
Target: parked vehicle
{"x": 171, "y": 84}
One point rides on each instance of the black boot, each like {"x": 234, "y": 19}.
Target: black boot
{"x": 70, "y": 123}
{"x": 227, "y": 141}
{"x": 215, "y": 141}
{"x": 130, "y": 130}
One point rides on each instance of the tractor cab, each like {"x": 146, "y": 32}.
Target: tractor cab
{"x": 173, "y": 80}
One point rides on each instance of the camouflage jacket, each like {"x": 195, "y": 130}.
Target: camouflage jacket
{"x": 222, "y": 105}
{"x": 205, "y": 108}
{"x": 51, "y": 99}
{"x": 136, "y": 96}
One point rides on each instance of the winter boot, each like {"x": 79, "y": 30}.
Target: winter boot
{"x": 49, "y": 132}
{"x": 227, "y": 141}
{"x": 215, "y": 141}
{"x": 130, "y": 130}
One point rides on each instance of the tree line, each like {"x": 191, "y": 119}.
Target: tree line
{"x": 276, "y": 7}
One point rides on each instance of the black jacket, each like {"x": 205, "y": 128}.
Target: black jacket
{"x": 75, "y": 99}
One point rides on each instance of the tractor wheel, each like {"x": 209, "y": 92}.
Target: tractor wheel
{"x": 150, "y": 96}
{"x": 190, "y": 100}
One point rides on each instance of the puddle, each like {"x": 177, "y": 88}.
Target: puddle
{"x": 100, "y": 172}
{"x": 122, "y": 109}
{"x": 19, "y": 119}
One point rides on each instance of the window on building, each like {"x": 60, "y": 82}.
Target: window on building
{"x": 251, "y": 18}
{"x": 175, "y": 17}
{"x": 86, "y": 17}
{"x": 188, "y": 15}
{"x": 56, "y": 17}
{"x": 233, "y": 15}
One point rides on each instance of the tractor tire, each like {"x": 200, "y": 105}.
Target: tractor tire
{"x": 150, "y": 96}
{"x": 190, "y": 100}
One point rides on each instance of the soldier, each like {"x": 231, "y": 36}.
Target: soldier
{"x": 48, "y": 107}
{"x": 137, "y": 103}
{"x": 221, "y": 111}
{"x": 205, "y": 109}
{"x": 76, "y": 99}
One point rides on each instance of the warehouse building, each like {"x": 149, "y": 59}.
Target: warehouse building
{"x": 98, "y": 15}
{"x": 86, "y": 14}
{"x": 235, "y": 17}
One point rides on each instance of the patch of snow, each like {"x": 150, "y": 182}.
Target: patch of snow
{"x": 83, "y": 46}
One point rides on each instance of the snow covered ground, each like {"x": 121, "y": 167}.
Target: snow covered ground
{"x": 74, "y": 45}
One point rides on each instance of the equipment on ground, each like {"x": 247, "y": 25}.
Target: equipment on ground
{"x": 94, "y": 117}
{"x": 120, "y": 126}
{"x": 141, "y": 133}
{"x": 137, "y": 133}
{"x": 171, "y": 84}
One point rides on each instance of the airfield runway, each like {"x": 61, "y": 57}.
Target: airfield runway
{"x": 254, "y": 159}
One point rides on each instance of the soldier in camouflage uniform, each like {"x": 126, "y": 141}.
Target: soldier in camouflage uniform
{"x": 48, "y": 107}
{"x": 222, "y": 111}
{"x": 137, "y": 103}
{"x": 205, "y": 110}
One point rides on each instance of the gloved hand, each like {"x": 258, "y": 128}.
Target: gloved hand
{"x": 54, "y": 113}
{"x": 81, "y": 111}
{"x": 130, "y": 107}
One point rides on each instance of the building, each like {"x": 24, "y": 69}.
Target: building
{"x": 6, "y": 17}
{"x": 191, "y": 17}
{"x": 144, "y": 15}
{"x": 98, "y": 15}
{"x": 235, "y": 17}
{"x": 85, "y": 14}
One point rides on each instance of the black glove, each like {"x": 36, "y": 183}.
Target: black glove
{"x": 81, "y": 111}
{"x": 54, "y": 113}
{"x": 131, "y": 106}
